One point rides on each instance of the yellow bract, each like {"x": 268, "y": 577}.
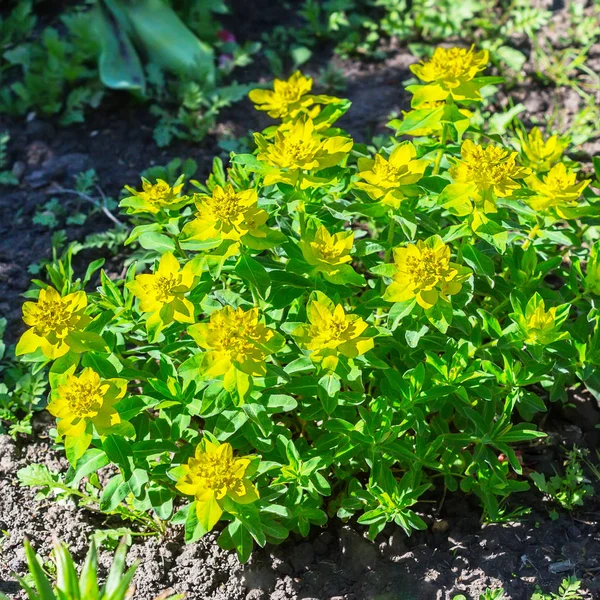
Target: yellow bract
{"x": 557, "y": 191}
{"x": 540, "y": 155}
{"x": 226, "y": 215}
{"x": 155, "y": 197}
{"x": 449, "y": 72}
{"x": 424, "y": 272}
{"x": 213, "y": 475}
{"x": 84, "y": 399}
{"x": 235, "y": 341}
{"x": 489, "y": 168}
{"x": 332, "y": 332}
{"x": 162, "y": 293}
{"x": 541, "y": 326}
{"x": 437, "y": 108}
{"x": 327, "y": 252}
{"x": 299, "y": 148}
{"x": 385, "y": 180}
{"x": 51, "y": 319}
{"x": 287, "y": 99}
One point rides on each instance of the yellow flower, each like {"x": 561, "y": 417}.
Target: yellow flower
{"x": 386, "y": 180}
{"x": 327, "y": 252}
{"x": 212, "y": 477}
{"x": 288, "y": 98}
{"x": 449, "y": 72}
{"x": 540, "y": 155}
{"x": 162, "y": 293}
{"x": 557, "y": 191}
{"x": 83, "y": 401}
{"x": 489, "y": 168}
{"x": 541, "y": 326}
{"x": 226, "y": 215}
{"x": 297, "y": 149}
{"x": 155, "y": 197}
{"x": 332, "y": 332}
{"x": 423, "y": 271}
{"x": 52, "y": 318}
{"x": 235, "y": 341}
{"x": 592, "y": 271}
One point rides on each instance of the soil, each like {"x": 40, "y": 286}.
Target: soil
{"x": 457, "y": 554}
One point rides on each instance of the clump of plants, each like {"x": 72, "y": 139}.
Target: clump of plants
{"x": 177, "y": 56}
{"x": 326, "y": 328}
{"x": 69, "y": 585}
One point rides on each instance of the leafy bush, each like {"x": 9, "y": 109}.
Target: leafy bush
{"x": 328, "y": 328}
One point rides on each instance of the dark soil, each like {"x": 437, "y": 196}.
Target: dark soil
{"x": 457, "y": 554}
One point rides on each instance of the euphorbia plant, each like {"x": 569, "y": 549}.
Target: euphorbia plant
{"x": 326, "y": 329}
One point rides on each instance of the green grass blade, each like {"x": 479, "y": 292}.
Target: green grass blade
{"x": 66, "y": 576}
{"x": 88, "y": 580}
{"x": 42, "y": 584}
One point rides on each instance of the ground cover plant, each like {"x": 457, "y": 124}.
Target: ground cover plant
{"x": 327, "y": 328}
{"x": 174, "y": 55}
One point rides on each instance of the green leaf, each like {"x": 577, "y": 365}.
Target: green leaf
{"x": 423, "y": 118}
{"x": 328, "y": 390}
{"x": 114, "y": 493}
{"x": 86, "y": 341}
{"x": 253, "y": 272}
{"x": 91, "y": 462}
{"x": 258, "y": 414}
{"x": 479, "y": 262}
{"x": 158, "y": 242}
{"x": 242, "y": 540}
{"x": 120, "y": 453}
{"x": 162, "y": 501}
{"x": 119, "y": 65}
{"x": 193, "y": 529}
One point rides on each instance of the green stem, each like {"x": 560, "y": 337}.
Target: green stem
{"x": 386, "y": 259}
{"x": 390, "y": 237}
{"x": 302, "y": 219}
{"x": 181, "y": 251}
{"x": 531, "y": 236}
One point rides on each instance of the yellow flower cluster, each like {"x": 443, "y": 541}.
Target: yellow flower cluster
{"x": 298, "y": 149}
{"x": 540, "y": 154}
{"x": 51, "y": 319}
{"x": 214, "y": 476}
{"x": 556, "y": 192}
{"x": 332, "y": 332}
{"x": 155, "y": 197}
{"x": 326, "y": 252}
{"x": 449, "y": 73}
{"x": 423, "y": 272}
{"x": 488, "y": 169}
{"x": 236, "y": 342}
{"x": 226, "y": 215}
{"x": 84, "y": 403}
{"x": 162, "y": 293}
{"x": 387, "y": 181}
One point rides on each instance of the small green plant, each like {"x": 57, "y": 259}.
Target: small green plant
{"x": 569, "y": 490}
{"x": 568, "y": 590}
{"x": 21, "y": 391}
{"x": 6, "y": 177}
{"x": 68, "y": 585}
{"x": 142, "y": 46}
